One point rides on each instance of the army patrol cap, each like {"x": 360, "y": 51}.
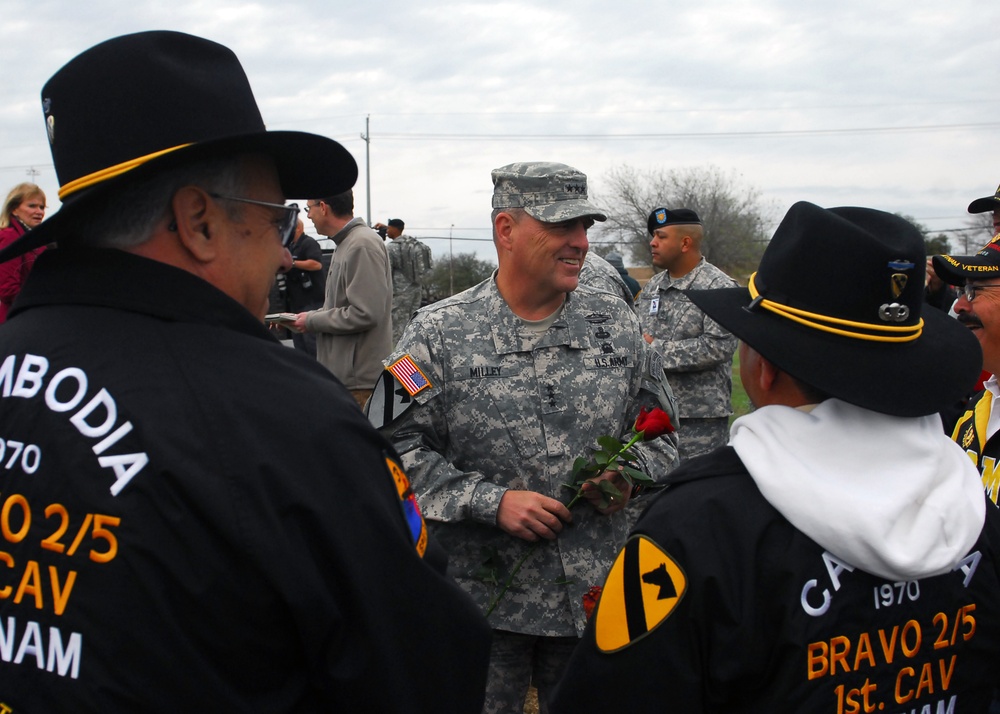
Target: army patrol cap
{"x": 547, "y": 192}
{"x": 987, "y": 203}
{"x": 660, "y": 217}
{"x": 956, "y": 269}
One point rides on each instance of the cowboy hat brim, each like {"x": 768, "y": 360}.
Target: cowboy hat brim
{"x": 929, "y": 374}
{"x": 308, "y": 166}
{"x": 985, "y": 204}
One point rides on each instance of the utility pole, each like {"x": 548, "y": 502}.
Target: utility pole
{"x": 368, "y": 167}
{"x": 32, "y": 172}
{"x": 451, "y": 263}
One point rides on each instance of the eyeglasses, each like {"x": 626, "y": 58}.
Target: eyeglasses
{"x": 970, "y": 290}
{"x": 285, "y": 224}
{"x": 315, "y": 205}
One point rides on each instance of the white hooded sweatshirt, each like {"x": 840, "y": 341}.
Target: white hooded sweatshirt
{"x": 893, "y": 496}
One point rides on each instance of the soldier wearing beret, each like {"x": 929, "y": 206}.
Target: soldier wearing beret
{"x": 697, "y": 353}
{"x": 491, "y": 396}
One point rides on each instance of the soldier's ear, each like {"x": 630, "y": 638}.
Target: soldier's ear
{"x": 503, "y": 229}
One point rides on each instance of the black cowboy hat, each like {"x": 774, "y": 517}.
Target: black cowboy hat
{"x": 837, "y": 302}
{"x": 152, "y": 100}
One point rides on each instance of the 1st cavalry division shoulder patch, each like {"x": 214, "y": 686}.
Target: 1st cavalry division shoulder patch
{"x": 643, "y": 588}
{"x": 393, "y": 393}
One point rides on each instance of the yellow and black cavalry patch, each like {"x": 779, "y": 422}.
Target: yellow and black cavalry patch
{"x": 899, "y": 281}
{"x": 643, "y": 588}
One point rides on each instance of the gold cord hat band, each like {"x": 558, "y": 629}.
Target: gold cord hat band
{"x": 110, "y": 172}
{"x": 815, "y": 320}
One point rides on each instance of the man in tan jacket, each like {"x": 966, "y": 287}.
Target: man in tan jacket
{"x": 354, "y": 326}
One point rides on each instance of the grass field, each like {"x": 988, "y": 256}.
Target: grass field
{"x": 741, "y": 404}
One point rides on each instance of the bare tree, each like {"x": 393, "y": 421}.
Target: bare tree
{"x": 979, "y": 231}
{"x": 737, "y": 219}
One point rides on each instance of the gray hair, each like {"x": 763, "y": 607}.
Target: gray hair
{"x": 516, "y": 213}
{"x": 130, "y": 216}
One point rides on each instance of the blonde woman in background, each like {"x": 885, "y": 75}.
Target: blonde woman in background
{"x": 23, "y": 210}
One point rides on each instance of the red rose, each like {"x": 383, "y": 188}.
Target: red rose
{"x": 654, "y": 423}
{"x": 590, "y": 599}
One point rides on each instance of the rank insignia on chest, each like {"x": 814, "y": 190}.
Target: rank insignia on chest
{"x": 968, "y": 437}
{"x": 644, "y": 587}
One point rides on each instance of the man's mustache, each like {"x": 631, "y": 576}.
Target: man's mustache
{"x": 970, "y": 320}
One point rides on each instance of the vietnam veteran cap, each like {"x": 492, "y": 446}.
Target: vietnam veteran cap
{"x": 987, "y": 203}
{"x": 956, "y": 269}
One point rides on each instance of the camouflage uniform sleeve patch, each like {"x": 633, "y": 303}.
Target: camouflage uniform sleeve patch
{"x": 409, "y": 375}
{"x": 401, "y": 385}
{"x": 408, "y": 504}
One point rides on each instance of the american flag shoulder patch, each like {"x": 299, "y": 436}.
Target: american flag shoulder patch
{"x": 409, "y": 375}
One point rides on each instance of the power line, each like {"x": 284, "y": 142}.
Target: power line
{"x": 689, "y": 135}
{"x": 645, "y": 112}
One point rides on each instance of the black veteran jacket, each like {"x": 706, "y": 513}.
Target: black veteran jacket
{"x": 194, "y": 517}
{"x": 718, "y": 603}
{"x": 970, "y": 431}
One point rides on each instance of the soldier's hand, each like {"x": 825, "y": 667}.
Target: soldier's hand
{"x": 529, "y": 515}
{"x": 648, "y": 337}
{"x": 932, "y": 282}
{"x": 593, "y": 494}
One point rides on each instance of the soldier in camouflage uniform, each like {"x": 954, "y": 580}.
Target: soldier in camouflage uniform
{"x": 697, "y": 352}
{"x": 411, "y": 264}
{"x": 502, "y": 387}
{"x": 602, "y": 275}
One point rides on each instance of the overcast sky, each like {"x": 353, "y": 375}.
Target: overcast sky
{"x": 884, "y": 103}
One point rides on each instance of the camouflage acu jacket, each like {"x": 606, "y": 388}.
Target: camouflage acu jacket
{"x": 411, "y": 262}
{"x": 498, "y": 407}
{"x": 697, "y": 352}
